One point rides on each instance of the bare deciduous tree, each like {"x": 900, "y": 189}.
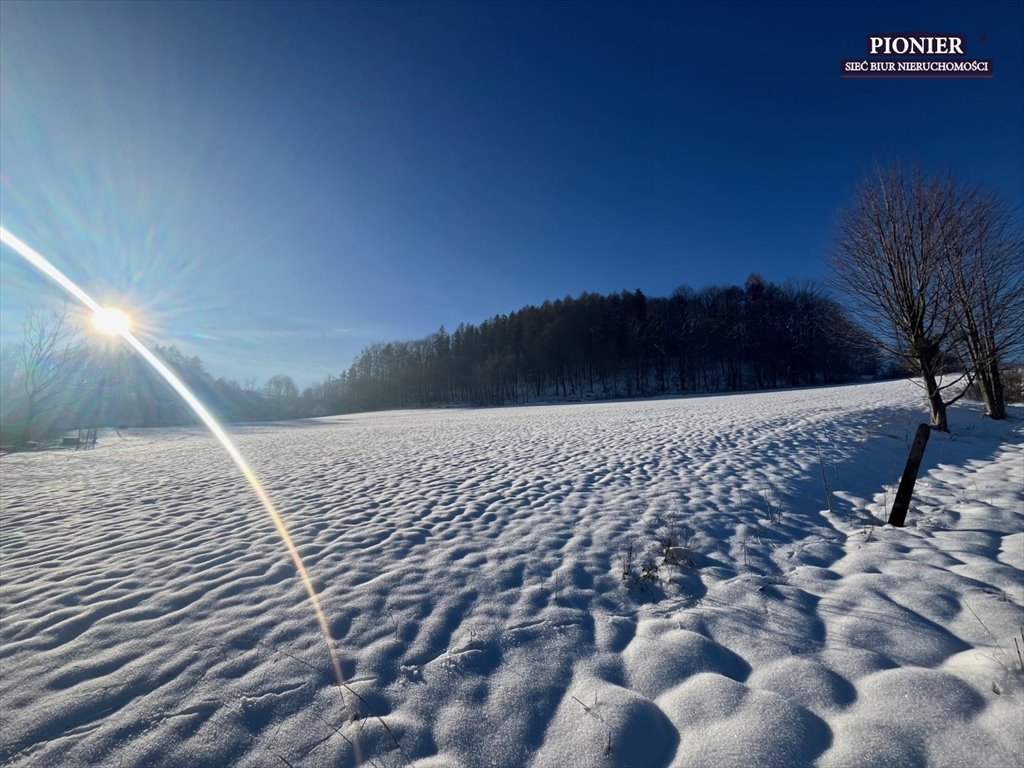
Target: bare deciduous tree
{"x": 891, "y": 259}
{"x": 985, "y": 254}
{"x": 280, "y": 385}
{"x": 51, "y": 345}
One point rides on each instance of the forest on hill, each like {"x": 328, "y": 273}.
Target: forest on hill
{"x": 718, "y": 339}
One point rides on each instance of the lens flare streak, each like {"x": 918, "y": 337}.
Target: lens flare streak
{"x": 44, "y": 266}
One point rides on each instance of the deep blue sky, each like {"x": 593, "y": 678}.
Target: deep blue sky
{"x": 275, "y": 186}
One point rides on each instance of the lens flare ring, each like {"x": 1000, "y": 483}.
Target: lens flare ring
{"x": 123, "y": 329}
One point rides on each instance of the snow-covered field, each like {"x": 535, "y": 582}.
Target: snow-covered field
{"x": 471, "y": 565}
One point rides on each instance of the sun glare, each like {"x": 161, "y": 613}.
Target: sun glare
{"x": 114, "y": 321}
{"x": 111, "y": 321}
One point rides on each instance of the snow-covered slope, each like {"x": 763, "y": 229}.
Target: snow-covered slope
{"x": 621, "y": 584}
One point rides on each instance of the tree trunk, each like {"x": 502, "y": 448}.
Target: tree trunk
{"x": 935, "y": 402}
{"x": 991, "y": 384}
{"x": 25, "y": 433}
{"x": 986, "y": 365}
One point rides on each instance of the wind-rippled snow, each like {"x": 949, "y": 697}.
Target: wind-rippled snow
{"x": 470, "y": 563}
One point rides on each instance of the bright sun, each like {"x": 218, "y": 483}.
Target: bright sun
{"x": 110, "y": 320}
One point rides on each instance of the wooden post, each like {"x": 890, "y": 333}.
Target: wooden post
{"x": 898, "y": 516}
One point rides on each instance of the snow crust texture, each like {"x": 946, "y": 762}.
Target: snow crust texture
{"x": 654, "y": 583}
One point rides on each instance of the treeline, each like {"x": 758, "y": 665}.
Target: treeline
{"x": 718, "y": 339}
{"x": 57, "y": 380}
{"x": 761, "y": 335}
